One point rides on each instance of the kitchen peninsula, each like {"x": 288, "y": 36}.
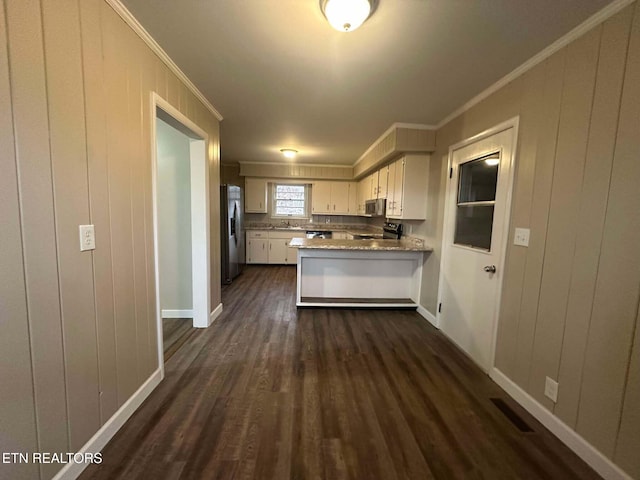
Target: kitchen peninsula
{"x": 358, "y": 273}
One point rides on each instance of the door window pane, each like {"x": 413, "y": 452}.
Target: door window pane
{"x": 478, "y": 179}
{"x": 477, "y": 183}
{"x": 473, "y": 226}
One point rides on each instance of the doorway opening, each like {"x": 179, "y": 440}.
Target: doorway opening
{"x": 181, "y": 226}
{"x": 475, "y": 236}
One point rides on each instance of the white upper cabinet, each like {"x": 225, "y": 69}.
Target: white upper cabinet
{"x": 321, "y": 198}
{"x": 353, "y": 198}
{"x": 255, "y": 195}
{"x": 408, "y": 182}
{"x": 383, "y": 178}
{"x": 331, "y": 198}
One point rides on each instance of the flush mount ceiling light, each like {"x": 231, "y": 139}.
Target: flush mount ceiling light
{"x": 289, "y": 152}
{"x": 347, "y": 15}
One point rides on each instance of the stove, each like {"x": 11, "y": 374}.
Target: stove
{"x": 392, "y": 231}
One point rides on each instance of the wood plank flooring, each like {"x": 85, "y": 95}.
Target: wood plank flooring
{"x": 269, "y": 392}
{"x": 175, "y": 332}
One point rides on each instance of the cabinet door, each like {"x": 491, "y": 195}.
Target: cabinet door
{"x": 398, "y": 185}
{"x": 339, "y": 198}
{"x": 363, "y": 186}
{"x": 373, "y": 194}
{"x": 257, "y": 250}
{"x": 339, "y": 235}
{"x": 255, "y": 195}
{"x": 321, "y": 197}
{"x": 391, "y": 188}
{"x": 278, "y": 250}
{"x": 353, "y": 198}
{"x": 383, "y": 179}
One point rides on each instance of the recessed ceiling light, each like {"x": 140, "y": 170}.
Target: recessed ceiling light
{"x": 347, "y": 15}
{"x": 289, "y": 152}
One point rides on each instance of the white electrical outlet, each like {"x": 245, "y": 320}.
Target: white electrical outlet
{"x": 551, "y": 389}
{"x": 521, "y": 237}
{"x": 87, "y": 238}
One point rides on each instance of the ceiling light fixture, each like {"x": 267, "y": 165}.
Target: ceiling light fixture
{"x": 347, "y": 15}
{"x": 289, "y": 152}
{"x": 492, "y": 162}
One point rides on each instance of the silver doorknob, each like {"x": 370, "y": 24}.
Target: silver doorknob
{"x": 490, "y": 269}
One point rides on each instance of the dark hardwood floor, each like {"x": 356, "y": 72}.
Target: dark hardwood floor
{"x": 269, "y": 392}
{"x": 175, "y": 332}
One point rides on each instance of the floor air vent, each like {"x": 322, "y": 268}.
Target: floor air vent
{"x": 511, "y": 415}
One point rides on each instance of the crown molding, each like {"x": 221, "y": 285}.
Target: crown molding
{"x": 591, "y": 22}
{"x": 130, "y": 20}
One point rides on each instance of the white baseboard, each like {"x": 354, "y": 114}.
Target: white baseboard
{"x": 177, "y": 313}
{"x": 428, "y": 315}
{"x": 215, "y": 314}
{"x": 96, "y": 443}
{"x": 587, "y": 452}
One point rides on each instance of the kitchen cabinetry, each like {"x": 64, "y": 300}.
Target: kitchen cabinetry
{"x": 255, "y": 195}
{"x": 362, "y": 195}
{"x": 331, "y": 198}
{"x": 268, "y": 246}
{"x": 257, "y": 246}
{"x": 383, "y": 178}
{"x": 353, "y": 198}
{"x": 408, "y": 182}
{"x": 339, "y": 235}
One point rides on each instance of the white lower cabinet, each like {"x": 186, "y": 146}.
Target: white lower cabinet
{"x": 264, "y": 246}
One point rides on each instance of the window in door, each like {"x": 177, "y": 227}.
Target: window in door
{"x": 477, "y": 183}
{"x": 290, "y": 200}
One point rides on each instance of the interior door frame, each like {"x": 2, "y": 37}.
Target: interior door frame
{"x": 513, "y": 124}
{"x": 200, "y": 217}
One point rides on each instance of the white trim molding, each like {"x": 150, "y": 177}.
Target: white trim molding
{"x": 130, "y": 20}
{"x": 215, "y": 314}
{"x": 430, "y": 317}
{"x": 177, "y": 313}
{"x": 110, "y": 428}
{"x": 587, "y": 452}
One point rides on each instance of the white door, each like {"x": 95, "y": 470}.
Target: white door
{"x": 476, "y": 221}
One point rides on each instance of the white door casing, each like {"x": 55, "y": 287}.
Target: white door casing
{"x": 469, "y": 296}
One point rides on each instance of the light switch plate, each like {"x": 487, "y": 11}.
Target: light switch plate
{"x": 87, "y": 238}
{"x": 551, "y": 389}
{"x": 521, "y": 237}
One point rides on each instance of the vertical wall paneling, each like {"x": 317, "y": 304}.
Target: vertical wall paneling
{"x": 63, "y": 61}
{"x": 28, "y": 93}
{"x": 98, "y": 172}
{"x": 531, "y": 119}
{"x": 545, "y": 155}
{"x": 617, "y": 287}
{"x": 148, "y": 84}
{"x": 137, "y": 171}
{"x": 593, "y": 203}
{"x": 17, "y": 422}
{"x": 626, "y": 454}
{"x": 120, "y": 154}
{"x": 573, "y": 131}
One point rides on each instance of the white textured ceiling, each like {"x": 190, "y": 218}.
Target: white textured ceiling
{"x": 282, "y": 77}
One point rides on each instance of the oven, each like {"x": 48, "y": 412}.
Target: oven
{"x": 392, "y": 231}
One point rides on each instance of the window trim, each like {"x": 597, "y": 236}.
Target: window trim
{"x": 274, "y": 188}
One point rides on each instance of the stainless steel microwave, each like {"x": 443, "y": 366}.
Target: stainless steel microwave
{"x": 375, "y": 208}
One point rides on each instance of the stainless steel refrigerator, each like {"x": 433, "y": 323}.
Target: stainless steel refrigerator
{"x": 232, "y": 238}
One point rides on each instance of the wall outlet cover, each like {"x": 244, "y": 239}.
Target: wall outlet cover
{"x": 87, "y": 237}
{"x": 521, "y": 237}
{"x": 551, "y": 389}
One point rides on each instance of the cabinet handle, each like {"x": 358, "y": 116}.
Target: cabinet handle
{"x": 328, "y": 207}
{"x": 334, "y": 208}
{"x": 263, "y": 246}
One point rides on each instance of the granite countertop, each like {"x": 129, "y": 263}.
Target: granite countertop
{"x": 381, "y": 245}
{"x": 330, "y": 227}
